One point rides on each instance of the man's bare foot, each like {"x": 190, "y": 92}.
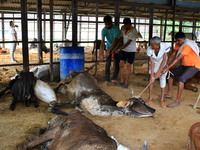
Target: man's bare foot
{"x": 163, "y": 104}
{"x": 149, "y": 101}
{"x": 114, "y": 81}
{"x": 105, "y": 83}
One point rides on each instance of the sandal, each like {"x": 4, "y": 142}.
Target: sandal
{"x": 173, "y": 105}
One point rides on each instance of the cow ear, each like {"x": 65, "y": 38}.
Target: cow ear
{"x": 18, "y": 72}
{"x": 34, "y": 72}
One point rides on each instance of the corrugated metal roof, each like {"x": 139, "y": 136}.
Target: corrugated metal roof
{"x": 126, "y": 7}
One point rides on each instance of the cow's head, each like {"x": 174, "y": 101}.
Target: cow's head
{"x": 26, "y": 83}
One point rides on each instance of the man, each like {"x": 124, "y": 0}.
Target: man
{"x": 187, "y": 51}
{"x": 127, "y": 50}
{"x": 13, "y": 37}
{"x": 158, "y": 58}
{"x": 111, "y": 32}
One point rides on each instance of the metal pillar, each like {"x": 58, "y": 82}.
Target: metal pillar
{"x": 63, "y": 26}
{"x": 3, "y": 32}
{"x": 44, "y": 30}
{"x": 161, "y": 27}
{"x": 165, "y": 29}
{"x": 194, "y": 26}
{"x": 24, "y": 35}
{"x": 74, "y": 22}
{"x": 117, "y": 13}
{"x": 181, "y": 21}
{"x": 151, "y": 24}
{"x": 80, "y": 29}
{"x": 96, "y": 35}
{"x": 51, "y": 40}
{"x": 39, "y": 30}
{"x": 135, "y": 17}
{"x": 173, "y": 25}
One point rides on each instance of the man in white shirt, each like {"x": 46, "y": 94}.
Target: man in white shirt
{"x": 13, "y": 37}
{"x": 158, "y": 58}
{"x": 127, "y": 50}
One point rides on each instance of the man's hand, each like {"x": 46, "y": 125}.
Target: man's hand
{"x": 164, "y": 71}
{"x": 152, "y": 79}
{"x": 157, "y": 75}
{"x": 117, "y": 51}
{"x": 101, "y": 57}
{"x": 107, "y": 53}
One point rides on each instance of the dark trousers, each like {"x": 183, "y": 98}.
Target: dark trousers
{"x": 115, "y": 67}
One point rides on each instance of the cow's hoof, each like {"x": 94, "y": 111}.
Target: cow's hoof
{"x": 12, "y": 107}
{"x": 36, "y": 105}
{"x": 195, "y": 89}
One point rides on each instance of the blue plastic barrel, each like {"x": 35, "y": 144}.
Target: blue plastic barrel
{"x": 71, "y": 58}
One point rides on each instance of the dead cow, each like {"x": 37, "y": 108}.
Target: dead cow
{"x": 83, "y": 91}
{"x": 74, "y": 132}
{"x": 22, "y": 89}
{"x": 194, "y": 134}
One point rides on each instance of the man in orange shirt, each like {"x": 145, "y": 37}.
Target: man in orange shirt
{"x": 187, "y": 51}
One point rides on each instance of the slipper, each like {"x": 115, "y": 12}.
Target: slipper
{"x": 168, "y": 97}
{"x": 120, "y": 84}
{"x": 125, "y": 86}
{"x": 173, "y": 105}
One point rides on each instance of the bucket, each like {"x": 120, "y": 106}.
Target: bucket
{"x": 71, "y": 58}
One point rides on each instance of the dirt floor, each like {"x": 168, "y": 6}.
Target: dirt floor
{"x": 166, "y": 131}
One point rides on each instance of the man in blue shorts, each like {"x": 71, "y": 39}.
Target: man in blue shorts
{"x": 127, "y": 50}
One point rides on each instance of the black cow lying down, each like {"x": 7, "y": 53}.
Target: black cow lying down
{"x": 74, "y": 132}
{"x": 83, "y": 91}
{"x": 22, "y": 89}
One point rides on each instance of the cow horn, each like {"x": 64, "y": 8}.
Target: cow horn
{"x": 35, "y": 71}
{"x": 18, "y": 72}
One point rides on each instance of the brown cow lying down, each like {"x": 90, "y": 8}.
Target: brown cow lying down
{"x": 74, "y": 132}
{"x": 194, "y": 134}
{"x": 190, "y": 84}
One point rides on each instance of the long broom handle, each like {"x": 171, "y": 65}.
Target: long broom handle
{"x": 195, "y": 105}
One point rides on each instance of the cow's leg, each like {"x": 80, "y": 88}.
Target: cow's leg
{"x": 12, "y": 105}
{"x": 49, "y": 135}
{"x": 189, "y": 86}
{"x": 9, "y": 86}
{"x": 57, "y": 111}
{"x": 59, "y": 104}
{"x": 34, "y": 99}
